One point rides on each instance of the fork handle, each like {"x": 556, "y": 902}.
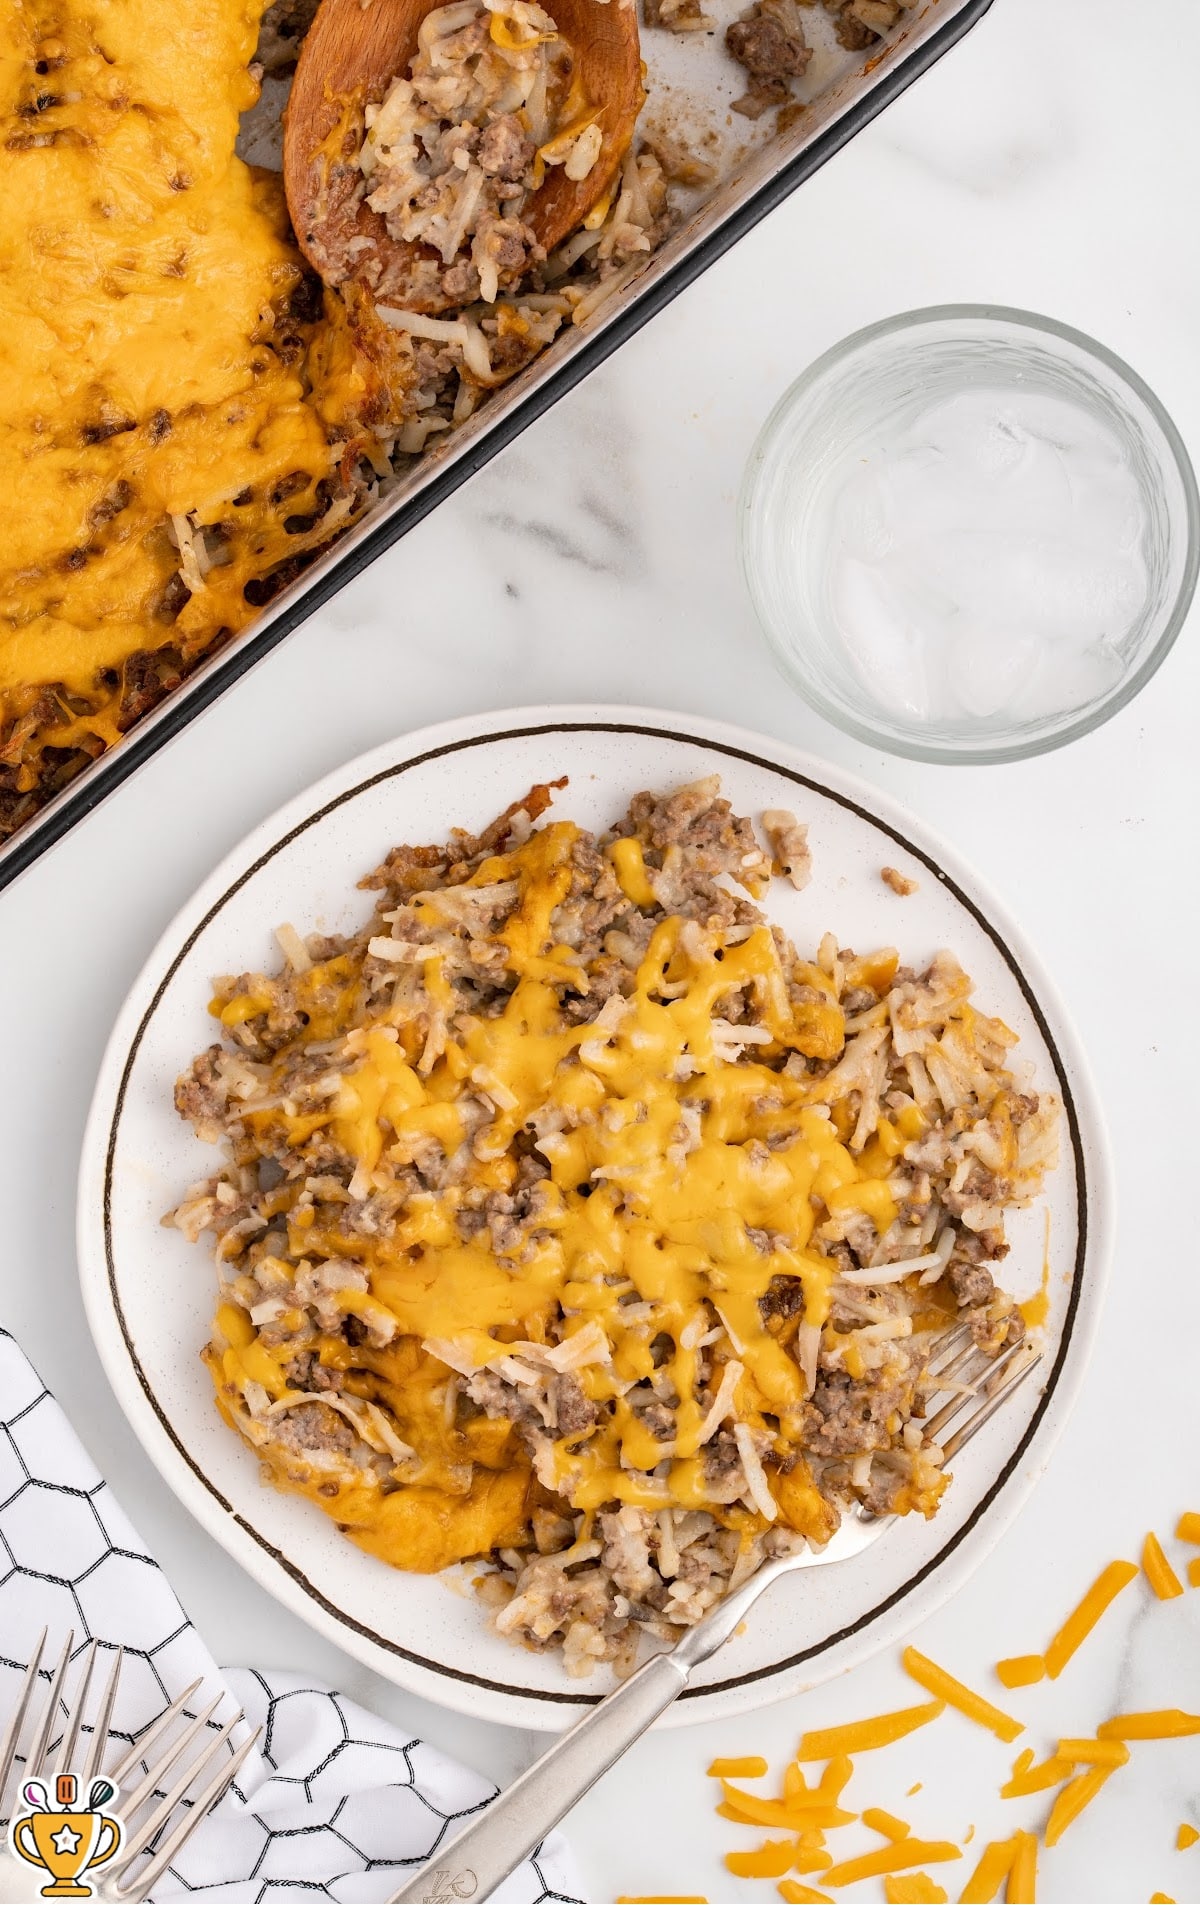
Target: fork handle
{"x": 520, "y": 1818}
{"x": 472, "y": 1865}
{"x": 514, "y": 1824}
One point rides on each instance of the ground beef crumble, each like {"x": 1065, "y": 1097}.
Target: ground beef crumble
{"x": 768, "y": 40}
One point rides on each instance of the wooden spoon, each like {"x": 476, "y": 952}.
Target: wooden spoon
{"x": 354, "y": 50}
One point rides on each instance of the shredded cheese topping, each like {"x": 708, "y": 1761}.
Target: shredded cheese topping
{"x": 167, "y": 410}
{"x": 622, "y": 1206}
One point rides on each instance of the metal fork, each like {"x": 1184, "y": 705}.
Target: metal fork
{"x": 492, "y": 1847}
{"x": 206, "y": 1761}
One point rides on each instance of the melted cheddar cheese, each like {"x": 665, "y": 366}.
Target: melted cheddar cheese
{"x": 156, "y": 370}
{"x": 682, "y": 1181}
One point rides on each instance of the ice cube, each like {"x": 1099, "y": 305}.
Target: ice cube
{"x": 1071, "y": 427}
{"x": 1043, "y": 583}
{"x": 988, "y": 668}
{"x": 859, "y": 518}
{"x": 925, "y": 491}
{"x": 977, "y": 429}
{"x": 1065, "y": 677}
{"x": 884, "y": 649}
{"x": 987, "y": 556}
{"x": 1107, "y": 508}
{"x": 1034, "y": 497}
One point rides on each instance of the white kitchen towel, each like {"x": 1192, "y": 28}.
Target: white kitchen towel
{"x": 335, "y": 1803}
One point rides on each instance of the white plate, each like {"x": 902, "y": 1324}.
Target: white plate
{"x": 149, "y": 1293}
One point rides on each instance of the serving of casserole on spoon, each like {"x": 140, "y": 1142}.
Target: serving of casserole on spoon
{"x": 435, "y": 154}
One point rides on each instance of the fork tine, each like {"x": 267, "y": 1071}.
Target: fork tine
{"x": 145, "y": 1833}
{"x": 201, "y": 1806}
{"x": 948, "y": 1347}
{"x": 37, "y": 1751}
{"x": 962, "y": 1436}
{"x": 991, "y": 1366}
{"x": 969, "y": 1359}
{"x": 968, "y": 1352}
{"x": 156, "y": 1775}
{"x": 144, "y": 1740}
{"x": 70, "y": 1738}
{"x": 12, "y": 1735}
{"x": 95, "y": 1753}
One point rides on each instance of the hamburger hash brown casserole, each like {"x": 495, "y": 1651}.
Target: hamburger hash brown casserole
{"x": 187, "y": 416}
{"x": 573, "y": 1222}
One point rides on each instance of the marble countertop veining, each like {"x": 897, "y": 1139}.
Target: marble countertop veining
{"x": 1052, "y": 162}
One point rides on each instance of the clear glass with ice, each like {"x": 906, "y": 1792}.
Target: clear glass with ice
{"x": 969, "y": 533}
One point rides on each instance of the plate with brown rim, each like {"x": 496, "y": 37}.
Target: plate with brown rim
{"x": 149, "y": 1293}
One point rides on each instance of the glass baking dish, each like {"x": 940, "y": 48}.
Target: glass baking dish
{"x": 756, "y": 169}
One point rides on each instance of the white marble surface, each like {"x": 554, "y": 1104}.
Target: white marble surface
{"x": 1051, "y": 161}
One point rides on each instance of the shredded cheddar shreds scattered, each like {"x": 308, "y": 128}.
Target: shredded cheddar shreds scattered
{"x": 995, "y": 1864}
{"x": 836, "y": 1777}
{"x": 863, "y": 1736}
{"x": 756, "y": 1811}
{"x": 912, "y": 1888}
{"x": 795, "y": 1786}
{"x": 1080, "y": 1622}
{"x": 1167, "y": 1724}
{"x": 885, "y": 1822}
{"x": 793, "y": 1815}
{"x": 1006, "y": 1868}
{"x": 771, "y": 1860}
{"x": 900, "y": 1856}
{"x": 811, "y": 1855}
{"x": 1158, "y": 1570}
{"x": 1028, "y": 1778}
{"x": 1092, "y": 1752}
{"x": 1022, "y": 1878}
{"x": 808, "y": 1861}
{"x": 1023, "y": 1670}
{"x": 937, "y": 1681}
{"x": 914, "y": 1790}
{"x": 1077, "y": 1794}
